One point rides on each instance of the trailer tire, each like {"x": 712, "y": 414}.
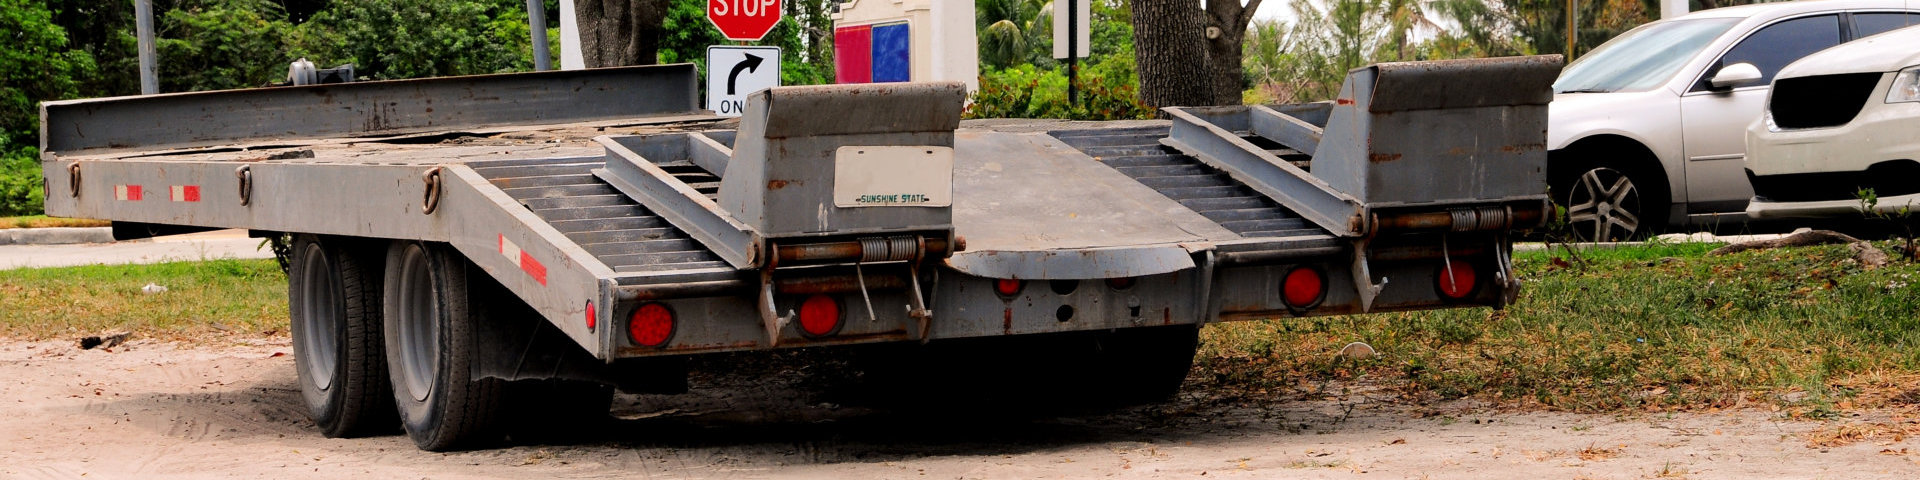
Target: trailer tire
{"x": 333, "y": 298}
{"x": 432, "y": 347}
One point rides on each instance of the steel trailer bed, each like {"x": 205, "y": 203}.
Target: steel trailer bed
{"x": 603, "y": 198}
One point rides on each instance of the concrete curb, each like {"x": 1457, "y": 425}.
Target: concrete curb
{"x": 56, "y": 236}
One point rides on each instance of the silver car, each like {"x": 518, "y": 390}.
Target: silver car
{"x": 1647, "y": 131}
{"x": 1839, "y": 121}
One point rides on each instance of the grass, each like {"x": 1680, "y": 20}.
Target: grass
{"x": 43, "y": 221}
{"x": 203, "y": 300}
{"x": 1649, "y": 328}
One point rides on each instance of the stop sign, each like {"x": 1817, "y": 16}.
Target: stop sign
{"x": 744, "y": 20}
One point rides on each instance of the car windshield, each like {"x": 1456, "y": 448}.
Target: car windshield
{"x": 1642, "y": 58}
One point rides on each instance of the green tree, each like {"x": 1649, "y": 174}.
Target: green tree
{"x": 222, "y": 44}
{"x": 387, "y": 39}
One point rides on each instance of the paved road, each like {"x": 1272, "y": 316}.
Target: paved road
{"x": 199, "y": 246}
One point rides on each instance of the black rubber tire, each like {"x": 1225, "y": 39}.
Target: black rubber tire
{"x": 339, "y": 279}
{"x": 441, "y": 405}
{"x": 1586, "y": 221}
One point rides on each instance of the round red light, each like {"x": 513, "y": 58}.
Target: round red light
{"x": 1456, "y": 280}
{"x": 819, "y": 316}
{"x": 593, "y": 317}
{"x": 1121, "y": 283}
{"x": 1302, "y": 287}
{"x": 651, "y": 325}
{"x": 1008, "y": 287}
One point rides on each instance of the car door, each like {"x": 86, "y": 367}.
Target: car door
{"x": 1867, "y": 24}
{"x": 1714, "y": 121}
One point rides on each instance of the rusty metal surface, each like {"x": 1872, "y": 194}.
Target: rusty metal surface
{"x": 780, "y": 179}
{"x": 1209, "y": 133}
{"x": 1462, "y": 83}
{"x": 687, "y": 209}
{"x": 1037, "y": 208}
{"x": 367, "y": 108}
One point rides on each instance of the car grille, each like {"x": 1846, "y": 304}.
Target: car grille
{"x": 1820, "y": 101}
{"x": 1887, "y": 179}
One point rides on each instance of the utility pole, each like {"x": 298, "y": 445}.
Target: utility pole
{"x": 1573, "y": 27}
{"x": 537, "y": 21}
{"x": 143, "y": 26}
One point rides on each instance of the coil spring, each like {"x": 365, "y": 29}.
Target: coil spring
{"x": 1479, "y": 219}
{"x": 889, "y": 249}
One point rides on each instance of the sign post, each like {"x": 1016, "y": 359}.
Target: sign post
{"x": 744, "y": 20}
{"x": 735, "y": 72}
{"x": 1072, "y": 39}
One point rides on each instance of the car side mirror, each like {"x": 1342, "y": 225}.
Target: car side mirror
{"x": 1735, "y": 76}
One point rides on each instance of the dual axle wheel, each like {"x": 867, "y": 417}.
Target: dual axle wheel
{"x": 384, "y": 332}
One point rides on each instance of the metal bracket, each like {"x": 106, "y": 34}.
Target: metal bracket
{"x": 770, "y": 318}
{"x": 1510, "y": 283}
{"x": 1362, "y": 282}
{"x": 430, "y": 200}
{"x": 918, "y": 309}
{"x": 73, "y": 180}
{"x": 245, "y": 174}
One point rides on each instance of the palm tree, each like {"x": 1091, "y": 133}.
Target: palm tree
{"x": 1008, "y": 29}
{"x": 1405, "y": 18}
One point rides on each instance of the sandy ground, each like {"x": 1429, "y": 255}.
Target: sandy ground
{"x": 157, "y": 410}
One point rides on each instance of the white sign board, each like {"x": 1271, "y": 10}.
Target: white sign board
{"x": 735, "y": 72}
{"x": 1083, "y": 25}
{"x": 893, "y": 176}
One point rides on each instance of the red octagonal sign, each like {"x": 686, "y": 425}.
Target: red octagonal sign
{"x": 744, "y": 20}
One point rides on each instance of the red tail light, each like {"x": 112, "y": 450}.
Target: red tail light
{"x": 1456, "y": 280}
{"x": 593, "y": 317}
{"x": 1303, "y": 288}
{"x": 651, "y": 325}
{"x": 1121, "y": 283}
{"x": 820, "y": 316}
{"x": 1008, "y": 287}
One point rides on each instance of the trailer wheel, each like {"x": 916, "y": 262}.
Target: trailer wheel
{"x": 431, "y": 348}
{"x": 333, "y": 296}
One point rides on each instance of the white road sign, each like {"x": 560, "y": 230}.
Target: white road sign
{"x": 735, "y": 72}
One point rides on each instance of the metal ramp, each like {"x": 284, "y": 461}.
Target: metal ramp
{"x": 1137, "y": 153}
{"x": 612, "y": 226}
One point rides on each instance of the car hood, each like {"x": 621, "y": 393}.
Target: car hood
{"x": 1885, "y": 52}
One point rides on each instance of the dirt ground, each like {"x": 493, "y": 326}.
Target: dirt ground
{"x": 158, "y": 410}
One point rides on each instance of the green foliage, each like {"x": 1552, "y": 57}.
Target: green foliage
{"x": 686, "y": 33}
{"x": 1107, "y": 92}
{"x": 20, "y": 192}
{"x": 222, "y": 44}
{"x": 387, "y": 39}
{"x": 35, "y": 65}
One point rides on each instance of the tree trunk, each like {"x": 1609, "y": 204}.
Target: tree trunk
{"x": 1170, "y": 52}
{"x": 1227, "y": 21}
{"x": 616, "y": 33}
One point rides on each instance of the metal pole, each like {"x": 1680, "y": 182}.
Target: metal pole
{"x": 537, "y": 22}
{"x": 143, "y": 26}
{"x": 1573, "y": 27}
{"x": 1073, "y": 51}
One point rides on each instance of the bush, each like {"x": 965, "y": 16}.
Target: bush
{"x": 20, "y": 192}
{"x": 1107, "y": 92}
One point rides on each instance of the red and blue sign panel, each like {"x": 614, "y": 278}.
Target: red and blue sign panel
{"x": 873, "y": 53}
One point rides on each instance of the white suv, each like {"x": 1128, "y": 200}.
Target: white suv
{"x": 1648, "y": 130}
{"x": 1839, "y": 121}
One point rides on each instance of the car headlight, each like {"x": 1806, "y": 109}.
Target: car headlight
{"x": 1906, "y": 86}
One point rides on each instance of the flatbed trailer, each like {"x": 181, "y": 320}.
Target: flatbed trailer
{"x": 448, "y": 236}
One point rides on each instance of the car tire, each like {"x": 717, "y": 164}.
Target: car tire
{"x": 1607, "y": 202}
{"x": 432, "y": 348}
{"x": 339, "y": 356}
